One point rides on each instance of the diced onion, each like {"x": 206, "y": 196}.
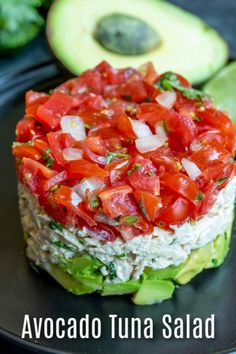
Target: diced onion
{"x": 160, "y": 131}
{"x": 167, "y": 99}
{"x": 71, "y": 154}
{"x": 74, "y": 126}
{"x": 75, "y": 199}
{"x": 105, "y": 219}
{"x": 91, "y": 184}
{"x": 149, "y": 143}
{"x": 195, "y": 145}
{"x": 191, "y": 168}
{"x": 140, "y": 128}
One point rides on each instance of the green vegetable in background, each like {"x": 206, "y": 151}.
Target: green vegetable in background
{"x": 20, "y": 22}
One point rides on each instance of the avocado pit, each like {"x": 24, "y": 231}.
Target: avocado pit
{"x": 126, "y": 35}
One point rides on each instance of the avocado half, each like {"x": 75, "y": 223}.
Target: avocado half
{"x": 82, "y": 33}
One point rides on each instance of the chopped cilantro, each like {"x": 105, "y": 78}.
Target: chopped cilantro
{"x": 200, "y": 196}
{"x": 62, "y": 245}
{"x": 130, "y": 219}
{"x": 112, "y": 270}
{"x": 134, "y": 168}
{"x": 30, "y": 143}
{"x": 173, "y": 241}
{"x": 214, "y": 261}
{"x": 47, "y": 158}
{"x": 169, "y": 81}
{"x": 110, "y": 155}
{"x": 151, "y": 173}
{"x": 55, "y": 225}
{"x": 94, "y": 202}
{"x": 121, "y": 255}
{"x": 219, "y": 181}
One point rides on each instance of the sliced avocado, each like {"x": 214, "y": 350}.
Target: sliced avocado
{"x": 79, "y": 286}
{"x": 228, "y": 234}
{"x": 127, "y": 287}
{"x": 195, "y": 263}
{"x": 160, "y": 274}
{"x": 129, "y": 33}
{"x": 153, "y": 291}
{"x": 79, "y": 266}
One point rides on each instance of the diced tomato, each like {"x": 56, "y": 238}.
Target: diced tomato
{"x": 58, "y": 178}
{"x": 125, "y": 126}
{"x": 54, "y": 108}
{"x": 96, "y": 145}
{"x": 151, "y": 113}
{"x": 142, "y": 175}
{"x": 116, "y": 202}
{"x": 149, "y": 73}
{"x": 83, "y": 168}
{"x": 220, "y": 173}
{"x": 180, "y": 184}
{"x": 148, "y": 203}
{"x": 117, "y": 170}
{"x": 25, "y": 150}
{"x": 208, "y": 154}
{"x": 68, "y": 198}
{"x": 182, "y": 125}
{"x": 164, "y": 157}
{"x": 58, "y": 141}
{"x": 217, "y": 119}
{"x": 34, "y": 175}
{"x": 33, "y": 100}
{"x": 208, "y": 192}
{"x": 134, "y": 91}
{"x": 28, "y": 129}
{"x": 177, "y": 213}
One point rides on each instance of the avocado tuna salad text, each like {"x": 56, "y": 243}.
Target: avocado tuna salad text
{"x": 126, "y": 182}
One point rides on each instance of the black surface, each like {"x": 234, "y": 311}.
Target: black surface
{"x": 21, "y": 291}
{"x": 24, "y": 292}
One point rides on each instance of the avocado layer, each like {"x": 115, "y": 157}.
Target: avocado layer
{"x": 80, "y": 38}
{"x": 81, "y": 274}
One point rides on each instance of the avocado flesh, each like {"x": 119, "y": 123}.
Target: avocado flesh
{"x": 187, "y": 45}
{"x": 128, "y": 287}
{"x": 153, "y": 291}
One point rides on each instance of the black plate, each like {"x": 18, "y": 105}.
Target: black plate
{"x": 22, "y": 291}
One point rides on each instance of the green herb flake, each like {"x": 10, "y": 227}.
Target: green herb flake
{"x": 151, "y": 173}
{"x": 121, "y": 255}
{"x": 112, "y": 270}
{"x": 94, "y": 202}
{"x": 54, "y": 225}
{"x": 110, "y": 156}
{"x": 30, "y": 143}
{"x": 131, "y": 219}
{"x": 200, "y": 196}
{"x": 214, "y": 261}
{"x": 219, "y": 181}
{"x": 47, "y": 158}
{"x": 62, "y": 245}
{"x": 173, "y": 241}
{"x": 134, "y": 168}
{"x": 169, "y": 81}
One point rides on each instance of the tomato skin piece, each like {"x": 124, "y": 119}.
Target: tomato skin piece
{"x": 117, "y": 170}
{"x": 34, "y": 175}
{"x": 217, "y": 119}
{"x": 151, "y": 113}
{"x": 116, "y": 202}
{"x": 176, "y": 214}
{"x": 125, "y": 126}
{"x": 64, "y": 196}
{"x": 83, "y": 168}
{"x": 58, "y": 141}
{"x": 164, "y": 157}
{"x": 54, "y": 108}
{"x": 180, "y": 184}
{"x": 25, "y": 150}
{"x": 148, "y": 203}
{"x": 33, "y": 100}
{"x": 183, "y": 126}
{"x": 140, "y": 179}
{"x": 209, "y": 154}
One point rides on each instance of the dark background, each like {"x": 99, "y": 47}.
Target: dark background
{"x": 35, "y": 64}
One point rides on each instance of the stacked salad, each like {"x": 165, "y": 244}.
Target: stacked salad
{"x": 126, "y": 182}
